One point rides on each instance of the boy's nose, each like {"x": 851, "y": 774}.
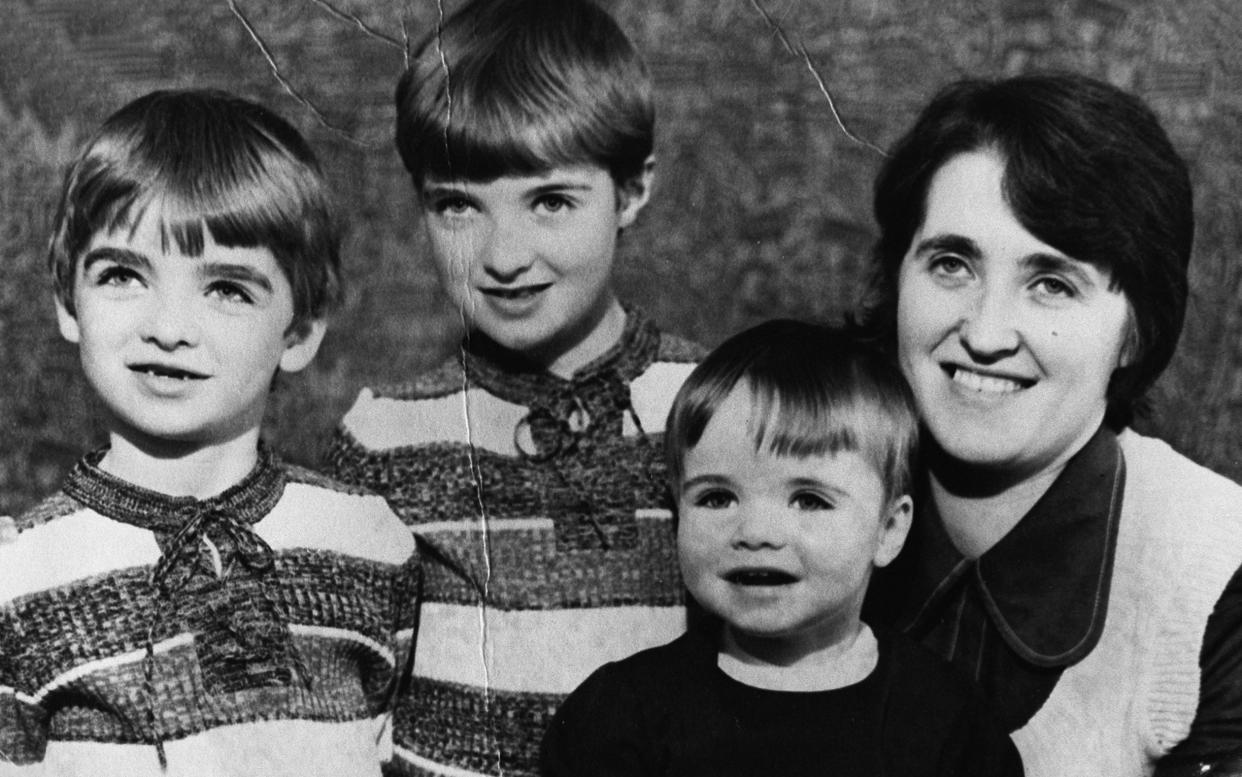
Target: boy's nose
{"x": 170, "y": 323}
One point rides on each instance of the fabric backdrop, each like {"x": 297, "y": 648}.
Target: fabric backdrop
{"x": 762, "y": 201}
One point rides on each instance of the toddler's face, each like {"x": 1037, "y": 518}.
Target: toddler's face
{"x": 182, "y": 348}
{"x": 776, "y": 546}
{"x": 528, "y": 259}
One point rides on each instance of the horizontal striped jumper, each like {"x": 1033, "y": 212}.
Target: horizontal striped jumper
{"x": 261, "y": 631}
{"x": 541, "y": 510}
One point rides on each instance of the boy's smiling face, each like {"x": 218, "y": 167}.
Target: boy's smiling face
{"x": 528, "y": 259}
{"x": 781, "y": 547}
{"x": 182, "y": 349}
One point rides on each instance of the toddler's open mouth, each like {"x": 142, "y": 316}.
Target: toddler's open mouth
{"x": 760, "y": 577}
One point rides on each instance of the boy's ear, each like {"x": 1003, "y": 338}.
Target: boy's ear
{"x": 302, "y": 343}
{"x": 66, "y": 321}
{"x": 894, "y": 526}
{"x": 634, "y": 193}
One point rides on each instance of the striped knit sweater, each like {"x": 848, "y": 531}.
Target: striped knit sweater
{"x": 544, "y": 529}
{"x": 256, "y": 632}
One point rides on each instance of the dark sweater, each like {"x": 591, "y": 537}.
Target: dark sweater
{"x": 671, "y": 711}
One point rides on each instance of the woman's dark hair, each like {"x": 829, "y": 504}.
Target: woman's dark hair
{"x": 1088, "y": 170}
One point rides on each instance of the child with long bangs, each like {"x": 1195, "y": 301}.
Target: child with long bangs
{"x": 528, "y": 464}
{"x": 187, "y": 603}
{"x": 789, "y": 453}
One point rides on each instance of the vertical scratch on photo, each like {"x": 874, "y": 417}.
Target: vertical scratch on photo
{"x": 801, "y": 51}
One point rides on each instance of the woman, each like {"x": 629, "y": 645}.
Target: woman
{"x": 1031, "y": 273}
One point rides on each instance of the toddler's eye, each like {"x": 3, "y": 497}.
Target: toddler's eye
{"x": 811, "y": 501}
{"x": 714, "y": 500}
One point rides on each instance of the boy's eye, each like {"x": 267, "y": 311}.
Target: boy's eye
{"x": 552, "y": 203}
{"x": 811, "y": 501}
{"x": 452, "y": 206}
{"x": 230, "y": 292}
{"x": 116, "y": 275}
{"x": 715, "y": 499}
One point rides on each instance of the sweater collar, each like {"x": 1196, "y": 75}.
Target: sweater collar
{"x": 246, "y": 502}
{"x": 1045, "y": 584}
{"x": 510, "y": 377}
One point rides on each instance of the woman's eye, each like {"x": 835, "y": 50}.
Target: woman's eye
{"x": 1055, "y": 287}
{"x": 949, "y": 265}
{"x": 714, "y": 500}
{"x": 809, "y": 501}
{"x": 231, "y": 292}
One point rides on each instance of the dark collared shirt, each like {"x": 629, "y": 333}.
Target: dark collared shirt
{"x": 1035, "y": 603}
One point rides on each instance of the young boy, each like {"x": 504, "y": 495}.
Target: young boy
{"x": 788, "y": 449}
{"x": 528, "y": 464}
{"x": 188, "y": 604}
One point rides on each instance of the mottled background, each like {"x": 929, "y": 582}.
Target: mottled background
{"x": 761, "y": 208}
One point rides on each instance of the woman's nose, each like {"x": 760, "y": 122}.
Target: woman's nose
{"x": 989, "y": 326}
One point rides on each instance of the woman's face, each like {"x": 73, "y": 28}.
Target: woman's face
{"x": 1007, "y": 342}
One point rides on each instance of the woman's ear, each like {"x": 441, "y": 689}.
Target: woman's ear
{"x": 633, "y": 194}
{"x": 894, "y": 526}
{"x": 302, "y": 343}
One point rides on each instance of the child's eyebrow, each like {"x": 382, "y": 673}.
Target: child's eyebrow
{"x": 237, "y": 272}
{"x": 818, "y": 485}
{"x": 560, "y": 186}
{"x": 706, "y": 479}
{"x": 121, "y": 256}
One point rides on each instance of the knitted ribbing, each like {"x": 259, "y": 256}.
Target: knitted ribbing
{"x": 1135, "y": 695}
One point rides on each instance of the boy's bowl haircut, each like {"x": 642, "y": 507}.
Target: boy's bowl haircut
{"x": 518, "y": 88}
{"x": 204, "y": 159}
{"x": 815, "y": 390}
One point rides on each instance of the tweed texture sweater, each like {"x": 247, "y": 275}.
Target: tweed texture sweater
{"x": 541, "y": 511}
{"x": 256, "y": 632}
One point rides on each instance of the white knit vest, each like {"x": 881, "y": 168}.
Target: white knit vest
{"x": 1115, "y": 713}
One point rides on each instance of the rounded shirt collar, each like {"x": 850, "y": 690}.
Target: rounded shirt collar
{"x": 1045, "y": 585}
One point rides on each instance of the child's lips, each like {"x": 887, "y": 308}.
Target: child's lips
{"x": 169, "y": 371}
{"x": 516, "y": 293}
{"x": 760, "y": 576}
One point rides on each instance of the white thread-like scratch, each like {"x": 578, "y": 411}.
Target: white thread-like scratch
{"x": 349, "y": 17}
{"x": 801, "y": 50}
{"x": 475, "y": 471}
{"x": 284, "y": 82}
